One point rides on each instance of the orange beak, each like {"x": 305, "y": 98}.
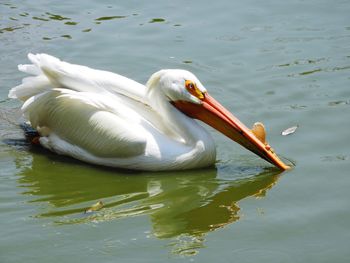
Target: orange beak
{"x": 214, "y": 114}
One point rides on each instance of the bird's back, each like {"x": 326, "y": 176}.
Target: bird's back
{"x": 50, "y": 72}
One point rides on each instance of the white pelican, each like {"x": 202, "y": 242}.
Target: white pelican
{"x": 107, "y": 119}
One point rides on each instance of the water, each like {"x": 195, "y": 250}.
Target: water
{"x": 283, "y": 63}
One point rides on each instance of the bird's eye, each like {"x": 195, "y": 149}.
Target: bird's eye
{"x": 192, "y": 88}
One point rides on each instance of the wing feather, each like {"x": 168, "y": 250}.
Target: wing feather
{"x": 82, "y": 78}
{"x": 83, "y": 119}
{"x": 50, "y": 72}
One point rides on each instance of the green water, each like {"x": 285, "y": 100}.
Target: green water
{"x": 283, "y": 63}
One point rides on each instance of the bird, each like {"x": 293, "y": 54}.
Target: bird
{"x": 107, "y": 119}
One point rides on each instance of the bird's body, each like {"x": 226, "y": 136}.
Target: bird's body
{"x": 107, "y": 119}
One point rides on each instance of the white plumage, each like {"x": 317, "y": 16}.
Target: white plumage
{"x": 107, "y": 119}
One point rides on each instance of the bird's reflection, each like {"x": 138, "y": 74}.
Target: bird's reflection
{"x": 189, "y": 203}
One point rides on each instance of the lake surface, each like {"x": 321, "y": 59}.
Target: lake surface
{"x": 284, "y": 63}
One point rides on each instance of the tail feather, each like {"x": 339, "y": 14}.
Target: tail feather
{"x": 36, "y": 84}
{"x": 30, "y": 86}
{"x": 30, "y": 69}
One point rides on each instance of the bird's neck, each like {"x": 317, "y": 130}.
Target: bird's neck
{"x": 184, "y": 127}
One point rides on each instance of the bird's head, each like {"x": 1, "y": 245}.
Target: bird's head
{"x": 177, "y": 85}
{"x": 188, "y": 95}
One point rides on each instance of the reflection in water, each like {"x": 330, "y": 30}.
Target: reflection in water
{"x": 181, "y": 205}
